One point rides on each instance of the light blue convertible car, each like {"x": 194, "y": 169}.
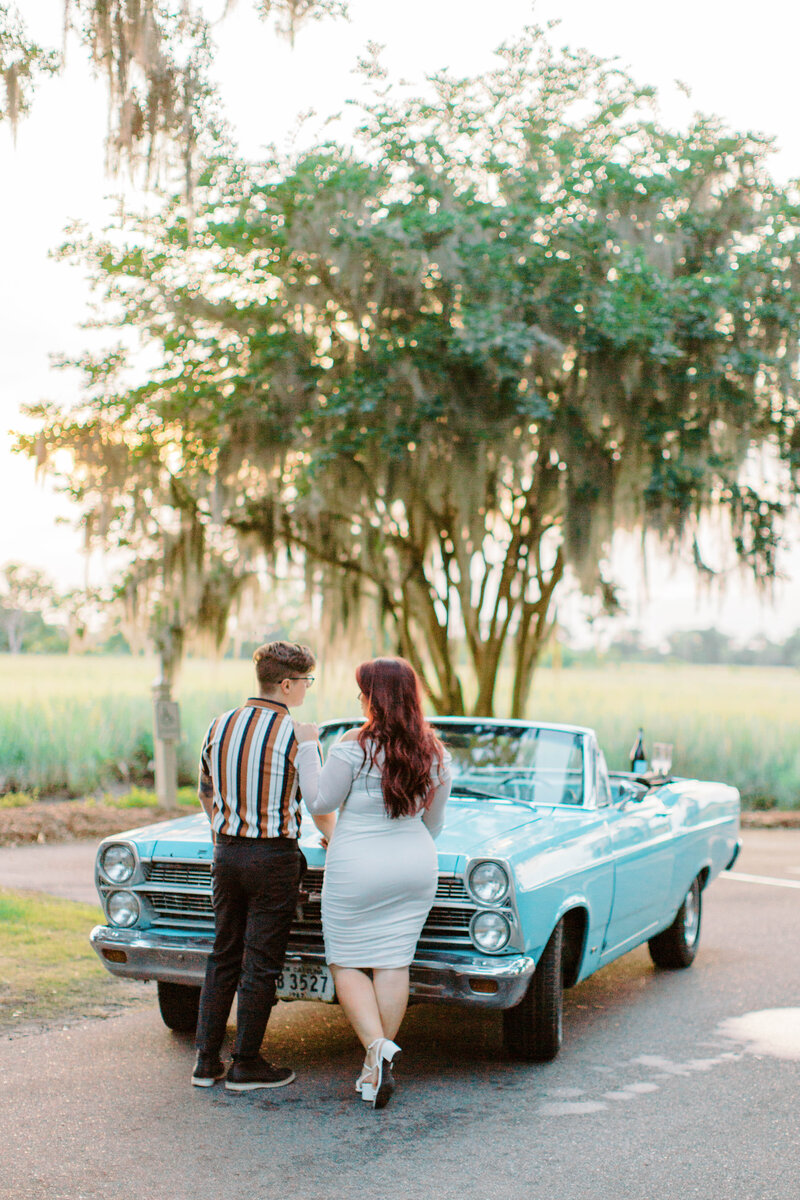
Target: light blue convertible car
{"x": 549, "y": 868}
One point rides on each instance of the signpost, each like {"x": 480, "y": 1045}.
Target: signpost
{"x": 166, "y": 735}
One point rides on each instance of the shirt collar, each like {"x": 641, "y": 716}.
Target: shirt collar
{"x": 261, "y": 702}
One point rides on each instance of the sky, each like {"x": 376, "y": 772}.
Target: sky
{"x": 737, "y": 59}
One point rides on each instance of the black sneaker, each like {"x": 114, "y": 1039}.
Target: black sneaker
{"x": 247, "y": 1074}
{"x": 207, "y": 1070}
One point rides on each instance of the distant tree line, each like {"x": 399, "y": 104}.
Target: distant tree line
{"x": 38, "y": 617}
{"x": 702, "y": 646}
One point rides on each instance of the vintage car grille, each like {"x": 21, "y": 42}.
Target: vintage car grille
{"x": 449, "y": 887}
{"x": 180, "y": 874}
{"x": 182, "y": 896}
{"x": 181, "y": 906}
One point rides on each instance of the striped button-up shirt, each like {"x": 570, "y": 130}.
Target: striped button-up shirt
{"x": 248, "y": 772}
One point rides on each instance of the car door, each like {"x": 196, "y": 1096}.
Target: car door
{"x": 642, "y": 850}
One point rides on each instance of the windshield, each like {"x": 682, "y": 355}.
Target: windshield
{"x": 540, "y": 766}
{"x": 528, "y": 763}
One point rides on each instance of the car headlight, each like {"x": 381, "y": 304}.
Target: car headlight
{"x": 123, "y": 908}
{"x": 488, "y": 882}
{"x": 490, "y": 930}
{"x": 117, "y": 863}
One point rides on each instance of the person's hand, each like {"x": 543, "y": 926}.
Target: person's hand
{"x": 324, "y": 842}
{"x": 306, "y": 731}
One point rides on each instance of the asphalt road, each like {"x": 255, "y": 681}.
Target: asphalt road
{"x": 63, "y": 869}
{"x": 669, "y": 1085}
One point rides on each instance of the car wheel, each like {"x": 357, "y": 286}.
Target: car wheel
{"x": 179, "y": 1004}
{"x": 677, "y": 946}
{"x": 533, "y": 1029}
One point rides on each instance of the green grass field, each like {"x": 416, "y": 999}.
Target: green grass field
{"x": 84, "y": 724}
{"x": 47, "y": 967}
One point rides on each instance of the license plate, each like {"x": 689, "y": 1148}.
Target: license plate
{"x": 305, "y": 983}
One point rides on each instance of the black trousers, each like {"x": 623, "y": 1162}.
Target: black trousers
{"x": 255, "y": 882}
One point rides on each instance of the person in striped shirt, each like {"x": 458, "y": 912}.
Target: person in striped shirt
{"x": 252, "y": 770}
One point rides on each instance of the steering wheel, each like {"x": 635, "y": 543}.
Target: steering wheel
{"x": 571, "y": 796}
{"x": 541, "y": 791}
{"x": 527, "y": 788}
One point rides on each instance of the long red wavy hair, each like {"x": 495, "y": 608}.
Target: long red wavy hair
{"x": 396, "y": 725}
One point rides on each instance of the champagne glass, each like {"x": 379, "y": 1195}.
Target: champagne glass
{"x": 661, "y": 760}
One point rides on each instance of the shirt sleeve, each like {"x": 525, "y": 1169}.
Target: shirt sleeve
{"x": 441, "y": 778}
{"x": 333, "y": 783}
{"x": 205, "y": 784}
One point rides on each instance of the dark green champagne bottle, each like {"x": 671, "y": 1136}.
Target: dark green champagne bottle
{"x": 638, "y": 754}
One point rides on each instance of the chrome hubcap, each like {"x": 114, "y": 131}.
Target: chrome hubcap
{"x": 691, "y": 916}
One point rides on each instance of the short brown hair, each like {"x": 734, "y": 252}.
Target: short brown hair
{"x": 275, "y": 661}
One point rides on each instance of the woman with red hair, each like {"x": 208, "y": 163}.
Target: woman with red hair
{"x": 390, "y": 781}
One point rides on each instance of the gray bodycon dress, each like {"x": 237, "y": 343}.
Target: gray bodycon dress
{"x": 380, "y": 872}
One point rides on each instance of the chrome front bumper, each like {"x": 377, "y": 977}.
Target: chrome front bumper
{"x": 480, "y": 981}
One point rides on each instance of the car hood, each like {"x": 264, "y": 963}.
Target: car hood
{"x": 481, "y": 827}
{"x": 471, "y": 827}
{"x": 186, "y": 837}
{"x": 190, "y": 837}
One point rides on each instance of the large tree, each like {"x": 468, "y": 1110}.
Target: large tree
{"x": 447, "y": 362}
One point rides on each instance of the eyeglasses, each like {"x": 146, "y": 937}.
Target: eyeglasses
{"x": 307, "y": 679}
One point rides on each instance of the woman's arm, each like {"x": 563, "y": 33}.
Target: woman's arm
{"x": 324, "y": 789}
{"x": 308, "y": 764}
{"x": 325, "y": 823}
{"x": 433, "y": 817}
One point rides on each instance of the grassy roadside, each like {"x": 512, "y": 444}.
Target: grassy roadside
{"x": 48, "y": 970}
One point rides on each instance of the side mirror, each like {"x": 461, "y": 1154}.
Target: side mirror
{"x": 629, "y": 791}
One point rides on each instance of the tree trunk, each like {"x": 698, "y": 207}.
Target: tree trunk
{"x": 15, "y": 630}
{"x": 486, "y": 670}
{"x": 531, "y": 638}
{"x": 446, "y": 693}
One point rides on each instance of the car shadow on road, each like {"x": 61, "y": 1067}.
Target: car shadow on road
{"x": 444, "y": 1043}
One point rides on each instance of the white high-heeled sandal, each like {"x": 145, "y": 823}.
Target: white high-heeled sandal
{"x": 378, "y": 1092}
{"x": 364, "y": 1084}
